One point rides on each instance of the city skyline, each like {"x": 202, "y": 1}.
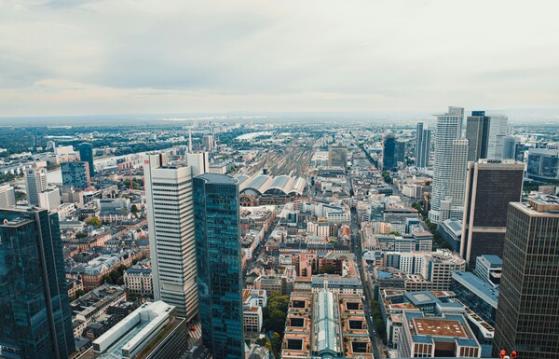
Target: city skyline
{"x": 279, "y": 179}
{"x": 277, "y": 234}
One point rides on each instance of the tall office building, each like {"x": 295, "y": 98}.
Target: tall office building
{"x": 457, "y": 177}
{"x": 86, "y": 155}
{"x": 75, "y": 174}
{"x": 199, "y": 161}
{"x": 477, "y": 133}
{"x": 171, "y": 233}
{"x": 7, "y": 196}
{"x": 422, "y": 146}
{"x": 50, "y": 198}
{"x": 209, "y": 142}
{"x": 446, "y": 173}
{"x": 528, "y": 310}
{"x": 509, "y": 148}
{"x": 418, "y": 139}
{"x": 218, "y": 255}
{"x": 35, "y": 183}
{"x": 35, "y": 316}
{"x": 389, "y": 161}
{"x": 490, "y": 186}
{"x": 498, "y": 130}
{"x": 401, "y": 147}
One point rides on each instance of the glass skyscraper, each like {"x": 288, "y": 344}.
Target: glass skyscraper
{"x": 477, "y": 133}
{"x": 86, "y": 155}
{"x": 75, "y": 174}
{"x": 218, "y": 256}
{"x": 35, "y": 317}
{"x": 422, "y": 145}
{"x": 389, "y": 161}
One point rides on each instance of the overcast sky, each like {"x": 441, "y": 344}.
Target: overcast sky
{"x": 112, "y": 57}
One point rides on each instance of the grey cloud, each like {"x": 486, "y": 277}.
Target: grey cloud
{"x": 388, "y": 54}
{"x": 19, "y": 73}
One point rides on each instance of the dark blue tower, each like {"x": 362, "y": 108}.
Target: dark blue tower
{"x": 35, "y": 317}
{"x": 218, "y": 257}
{"x": 389, "y": 160}
{"x": 86, "y": 155}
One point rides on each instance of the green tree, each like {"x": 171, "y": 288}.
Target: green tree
{"x": 275, "y": 313}
{"x": 386, "y": 177}
{"x": 276, "y": 344}
{"x": 116, "y": 276}
{"x": 93, "y": 221}
{"x": 265, "y": 342}
{"x": 134, "y": 210}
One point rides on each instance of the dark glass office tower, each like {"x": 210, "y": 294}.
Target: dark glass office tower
{"x": 75, "y": 174}
{"x": 218, "y": 257}
{"x": 418, "y": 142}
{"x": 389, "y": 153}
{"x": 422, "y": 145}
{"x": 86, "y": 155}
{"x": 490, "y": 186}
{"x": 477, "y": 134}
{"x": 401, "y": 151}
{"x": 35, "y": 317}
{"x": 528, "y": 310}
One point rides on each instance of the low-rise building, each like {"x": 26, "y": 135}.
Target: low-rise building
{"x": 92, "y": 305}
{"x": 138, "y": 281}
{"x": 477, "y": 294}
{"x": 451, "y": 231}
{"x": 448, "y": 335}
{"x": 151, "y": 331}
{"x": 489, "y": 268}
{"x": 254, "y": 300}
{"x": 326, "y": 324}
{"x": 75, "y": 287}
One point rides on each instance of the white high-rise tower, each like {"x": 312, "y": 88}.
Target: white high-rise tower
{"x": 35, "y": 183}
{"x": 199, "y": 161}
{"x": 171, "y": 234}
{"x": 448, "y": 175}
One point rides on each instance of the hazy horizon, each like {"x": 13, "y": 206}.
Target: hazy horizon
{"x": 516, "y": 117}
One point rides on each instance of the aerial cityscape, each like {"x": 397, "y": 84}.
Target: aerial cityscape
{"x": 324, "y": 218}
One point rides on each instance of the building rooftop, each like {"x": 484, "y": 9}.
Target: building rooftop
{"x": 325, "y": 321}
{"x": 478, "y": 286}
{"x": 421, "y": 298}
{"x": 134, "y": 332}
{"x": 263, "y": 183}
{"x": 541, "y": 203}
{"x": 215, "y": 178}
{"x": 493, "y": 260}
{"x": 439, "y": 327}
{"x": 453, "y": 225}
{"x": 444, "y": 328}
